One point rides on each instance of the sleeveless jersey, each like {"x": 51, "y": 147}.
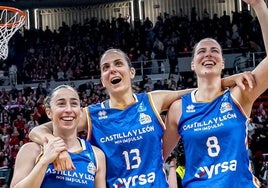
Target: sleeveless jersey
{"x": 83, "y": 176}
{"x": 132, "y": 142}
{"x": 214, "y": 135}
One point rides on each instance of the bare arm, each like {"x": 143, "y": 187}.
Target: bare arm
{"x": 242, "y": 80}
{"x": 171, "y": 136}
{"x": 261, "y": 71}
{"x": 261, "y": 11}
{"x": 172, "y": 175}
{"x": 24, "y": 167}
{"x": 162, "y": 99}
{"x": 39, "y": 133}
{"x": 28, "y": 173}
{"x": 247, "y": 97}
{"x": 100, "y": 179}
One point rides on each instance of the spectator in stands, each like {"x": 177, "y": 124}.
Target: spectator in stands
{"x": 36, "y": 115}
{"x": 261, "y": 113}
{"x": 60, "y": 74}
{"x": 4, "y": 95}
{"x": 19, "y": 124}
{"x": 172, "y": 59}
{"x": 158, "y": 85}
{"x": 32, "y": 123}
{"x": 147, "y": 63}
{"x": 143, "y": 81}
{"x": 209, "y": 143}
{"x": 13, "y": 91}
{"x": 258, "y": 146}
{"x": 147, "y": 24}
{"x": 40, "y": 91}
{"x": 119, "y": 111}
{"x": 48, "y": 87}
{"x": 181, "y": 83}
{"x": 69, "y": 74}
{"x": 149, "y": 85}
{"x": 63, "y": 108}
{"x": 20, "y": 98}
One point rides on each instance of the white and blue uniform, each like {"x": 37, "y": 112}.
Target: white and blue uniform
{"x": 132, "y": 142}
{"x": 83, "y": 176}
{"x": 214, "y": 135}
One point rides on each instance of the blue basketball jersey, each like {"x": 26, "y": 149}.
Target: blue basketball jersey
{"x": 214, "y": 135}
{"x": 83, "y": 176}
{"x": 132, "y": 142}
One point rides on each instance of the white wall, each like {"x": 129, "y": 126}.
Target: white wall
{"x": 212, "y": 6}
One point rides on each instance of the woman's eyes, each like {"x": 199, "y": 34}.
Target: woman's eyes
{"x": 62, "y": 104}
{"x": 204, "y": 51}
{"x": 215, "y": 51}
{"x": 104, "y": 68}
{"x": 118, "y": 63}
{"x": 74, "y": 103}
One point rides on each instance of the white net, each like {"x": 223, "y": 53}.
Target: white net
{"x": 11, "y": 19}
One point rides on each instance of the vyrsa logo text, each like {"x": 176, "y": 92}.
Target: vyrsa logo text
{"x": 135, "y": 181}
{"x": 216, "y": 169}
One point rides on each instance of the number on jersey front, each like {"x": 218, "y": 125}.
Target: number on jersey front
{"x": 132, "y": 157}
{"x": 213, "y": 146}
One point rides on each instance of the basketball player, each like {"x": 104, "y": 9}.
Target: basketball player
{"x": 33, "y": 166}
{"x": 212, "y": 122}
{"x": 127, "y": 127}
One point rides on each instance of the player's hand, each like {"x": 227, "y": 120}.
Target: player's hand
{"x": 245, "y": 80}
{"x": 52, "y": 149}
{"x": 63, "y": 162}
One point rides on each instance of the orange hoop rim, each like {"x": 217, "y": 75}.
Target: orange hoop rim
{"x": 15, "y": 10}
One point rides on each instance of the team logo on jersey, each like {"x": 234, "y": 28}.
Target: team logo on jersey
{"x": 144, "y": 119}
{"x": 190, "y": 108}
{"x": 225, "y": 107}
{"x": 118, "y": 184}
{"x": 200, "y": 172}
{"x": 102, "y": 114}
{"x": 142, "y": 108}
{"x": 91, "y": 168}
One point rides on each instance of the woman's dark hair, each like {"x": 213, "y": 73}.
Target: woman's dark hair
{"x": 117, "y": 50}
{"x": 205, "y": 39}
{"x": 49, "y": 96}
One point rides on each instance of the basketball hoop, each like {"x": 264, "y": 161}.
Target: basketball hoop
{"x": 11, "y": 19}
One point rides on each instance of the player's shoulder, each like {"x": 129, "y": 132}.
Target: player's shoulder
{"x": 176, "y": 104}
{"x": 99, "y": 153}
{"x": 30, "y": 148}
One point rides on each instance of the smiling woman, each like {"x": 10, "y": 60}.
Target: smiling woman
{"x": 63, "y": 108}
{"x": 213, "y": 122}
{"x": 117, "y": 75}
